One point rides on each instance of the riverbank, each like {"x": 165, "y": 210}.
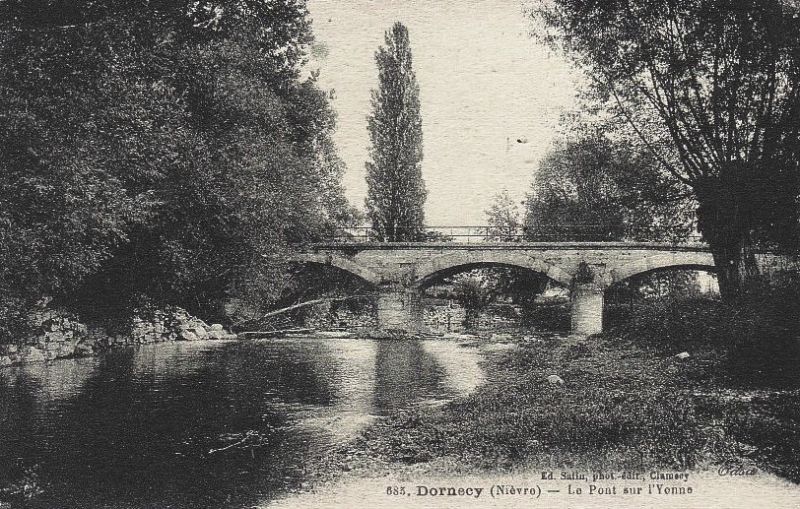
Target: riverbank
{"x": 609, "y": 403}
{"x": 55, "y": 334}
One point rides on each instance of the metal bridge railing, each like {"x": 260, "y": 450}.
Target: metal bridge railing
{"x": 489, "y": 233}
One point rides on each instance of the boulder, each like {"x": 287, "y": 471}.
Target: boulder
{"x": 5, "y": 360}
{"x": 199, "y": 331}
{"x": 66, "y": 350}
{"x": 215, "y": 334}
{"x": 195, "y": 323}
{"x": 54, "y": 337}
{"x": 188, "y": 336}
{"x": 217, "y": 327}
{"x": 555, "y": 380}
{"x": 683, "y": 355}
{"x": 84, "y": 349}
{"x": 33, "y": 354}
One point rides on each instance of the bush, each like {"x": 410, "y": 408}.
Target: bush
{"x": 683, "y": 323}
{"x": 472, "y": 294}
{"x": 553, "y": 317}
{"x": 772, "y": 426}
{"x": 756, "y": 337}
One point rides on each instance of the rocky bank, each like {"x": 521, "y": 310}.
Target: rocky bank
{"x": 57, "y": 335}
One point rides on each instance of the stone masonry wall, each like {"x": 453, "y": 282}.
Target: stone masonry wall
{"x": 321, "y": 318}
{"x": 58, "y": 335}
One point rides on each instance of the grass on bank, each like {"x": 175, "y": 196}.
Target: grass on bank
{"x": 627, "y": 402}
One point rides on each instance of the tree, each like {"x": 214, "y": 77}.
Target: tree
{"x": 712, "y": 89}
{"x": 591, "y": 188}
{"x": 505, "y": 225}
{"x": 503, "y": 217}
{"x": 473, "y": 292}
{"x": 158, "y": 152}
{"x": 396, "y": 191}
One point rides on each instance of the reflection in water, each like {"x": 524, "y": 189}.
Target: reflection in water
{"x": 352, "y": 364}
{"x": 406, "y": 374}
{"x": 460, "y": 364}
{"x": 205, "y": 424}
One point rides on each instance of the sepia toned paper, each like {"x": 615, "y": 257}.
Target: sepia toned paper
{"x": 396, "y": 402}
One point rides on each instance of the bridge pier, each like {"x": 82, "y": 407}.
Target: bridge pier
{"x": 585, "y": 267}
{"x": 400, "y": 309}
{"x": 587, "y": 309}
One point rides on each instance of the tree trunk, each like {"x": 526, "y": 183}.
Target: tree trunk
{"x": 727, "y": 261}
{"x": 726, "y": 229}
{"x": 298, "y": 306}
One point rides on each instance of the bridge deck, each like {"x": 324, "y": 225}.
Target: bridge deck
{"x": 516, "y": 246}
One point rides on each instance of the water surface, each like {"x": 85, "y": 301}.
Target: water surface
{"x": 205, "y": 424}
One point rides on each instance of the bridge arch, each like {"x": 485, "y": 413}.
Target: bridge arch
{"x": 690, "y": 260}
{"x": 340, "y": 262}
{"x": 427, "y": 270}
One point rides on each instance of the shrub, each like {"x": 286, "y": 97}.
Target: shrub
{"x": 756, "y": 337}
{"x": 554, "y": 317}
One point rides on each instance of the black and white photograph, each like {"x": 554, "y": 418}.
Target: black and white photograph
{"x": 390, "y": 254}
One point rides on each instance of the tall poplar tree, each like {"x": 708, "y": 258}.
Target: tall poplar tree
{"x": 396, "y": 190}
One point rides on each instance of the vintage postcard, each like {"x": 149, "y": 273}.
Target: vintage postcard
{"x": 399, "y": 254}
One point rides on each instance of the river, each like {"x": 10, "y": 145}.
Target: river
{"x": 226, "y": 424}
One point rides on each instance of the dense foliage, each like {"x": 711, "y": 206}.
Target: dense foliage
{"x": 590, "y": 188}
{"x": 505, "y": 221}
{"x": 593, "y": 189}
{"x": 157, "y": 152}
{"x": 503, "y": 218}
{"x": 396, "y": 190}
{"x": 710, "y": 88}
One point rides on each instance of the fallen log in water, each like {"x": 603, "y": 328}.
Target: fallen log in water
{"x": 297, "y": 306}
{"x": 337, "y": 334}
{"x": 272, "y": 333}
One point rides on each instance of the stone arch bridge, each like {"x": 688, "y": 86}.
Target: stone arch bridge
{"x": 400, "y": 271}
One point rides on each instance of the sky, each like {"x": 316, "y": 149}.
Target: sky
{"x": 485, "y": 83}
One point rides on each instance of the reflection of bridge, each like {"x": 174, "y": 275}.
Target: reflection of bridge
{"x": 400, "y": 271}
